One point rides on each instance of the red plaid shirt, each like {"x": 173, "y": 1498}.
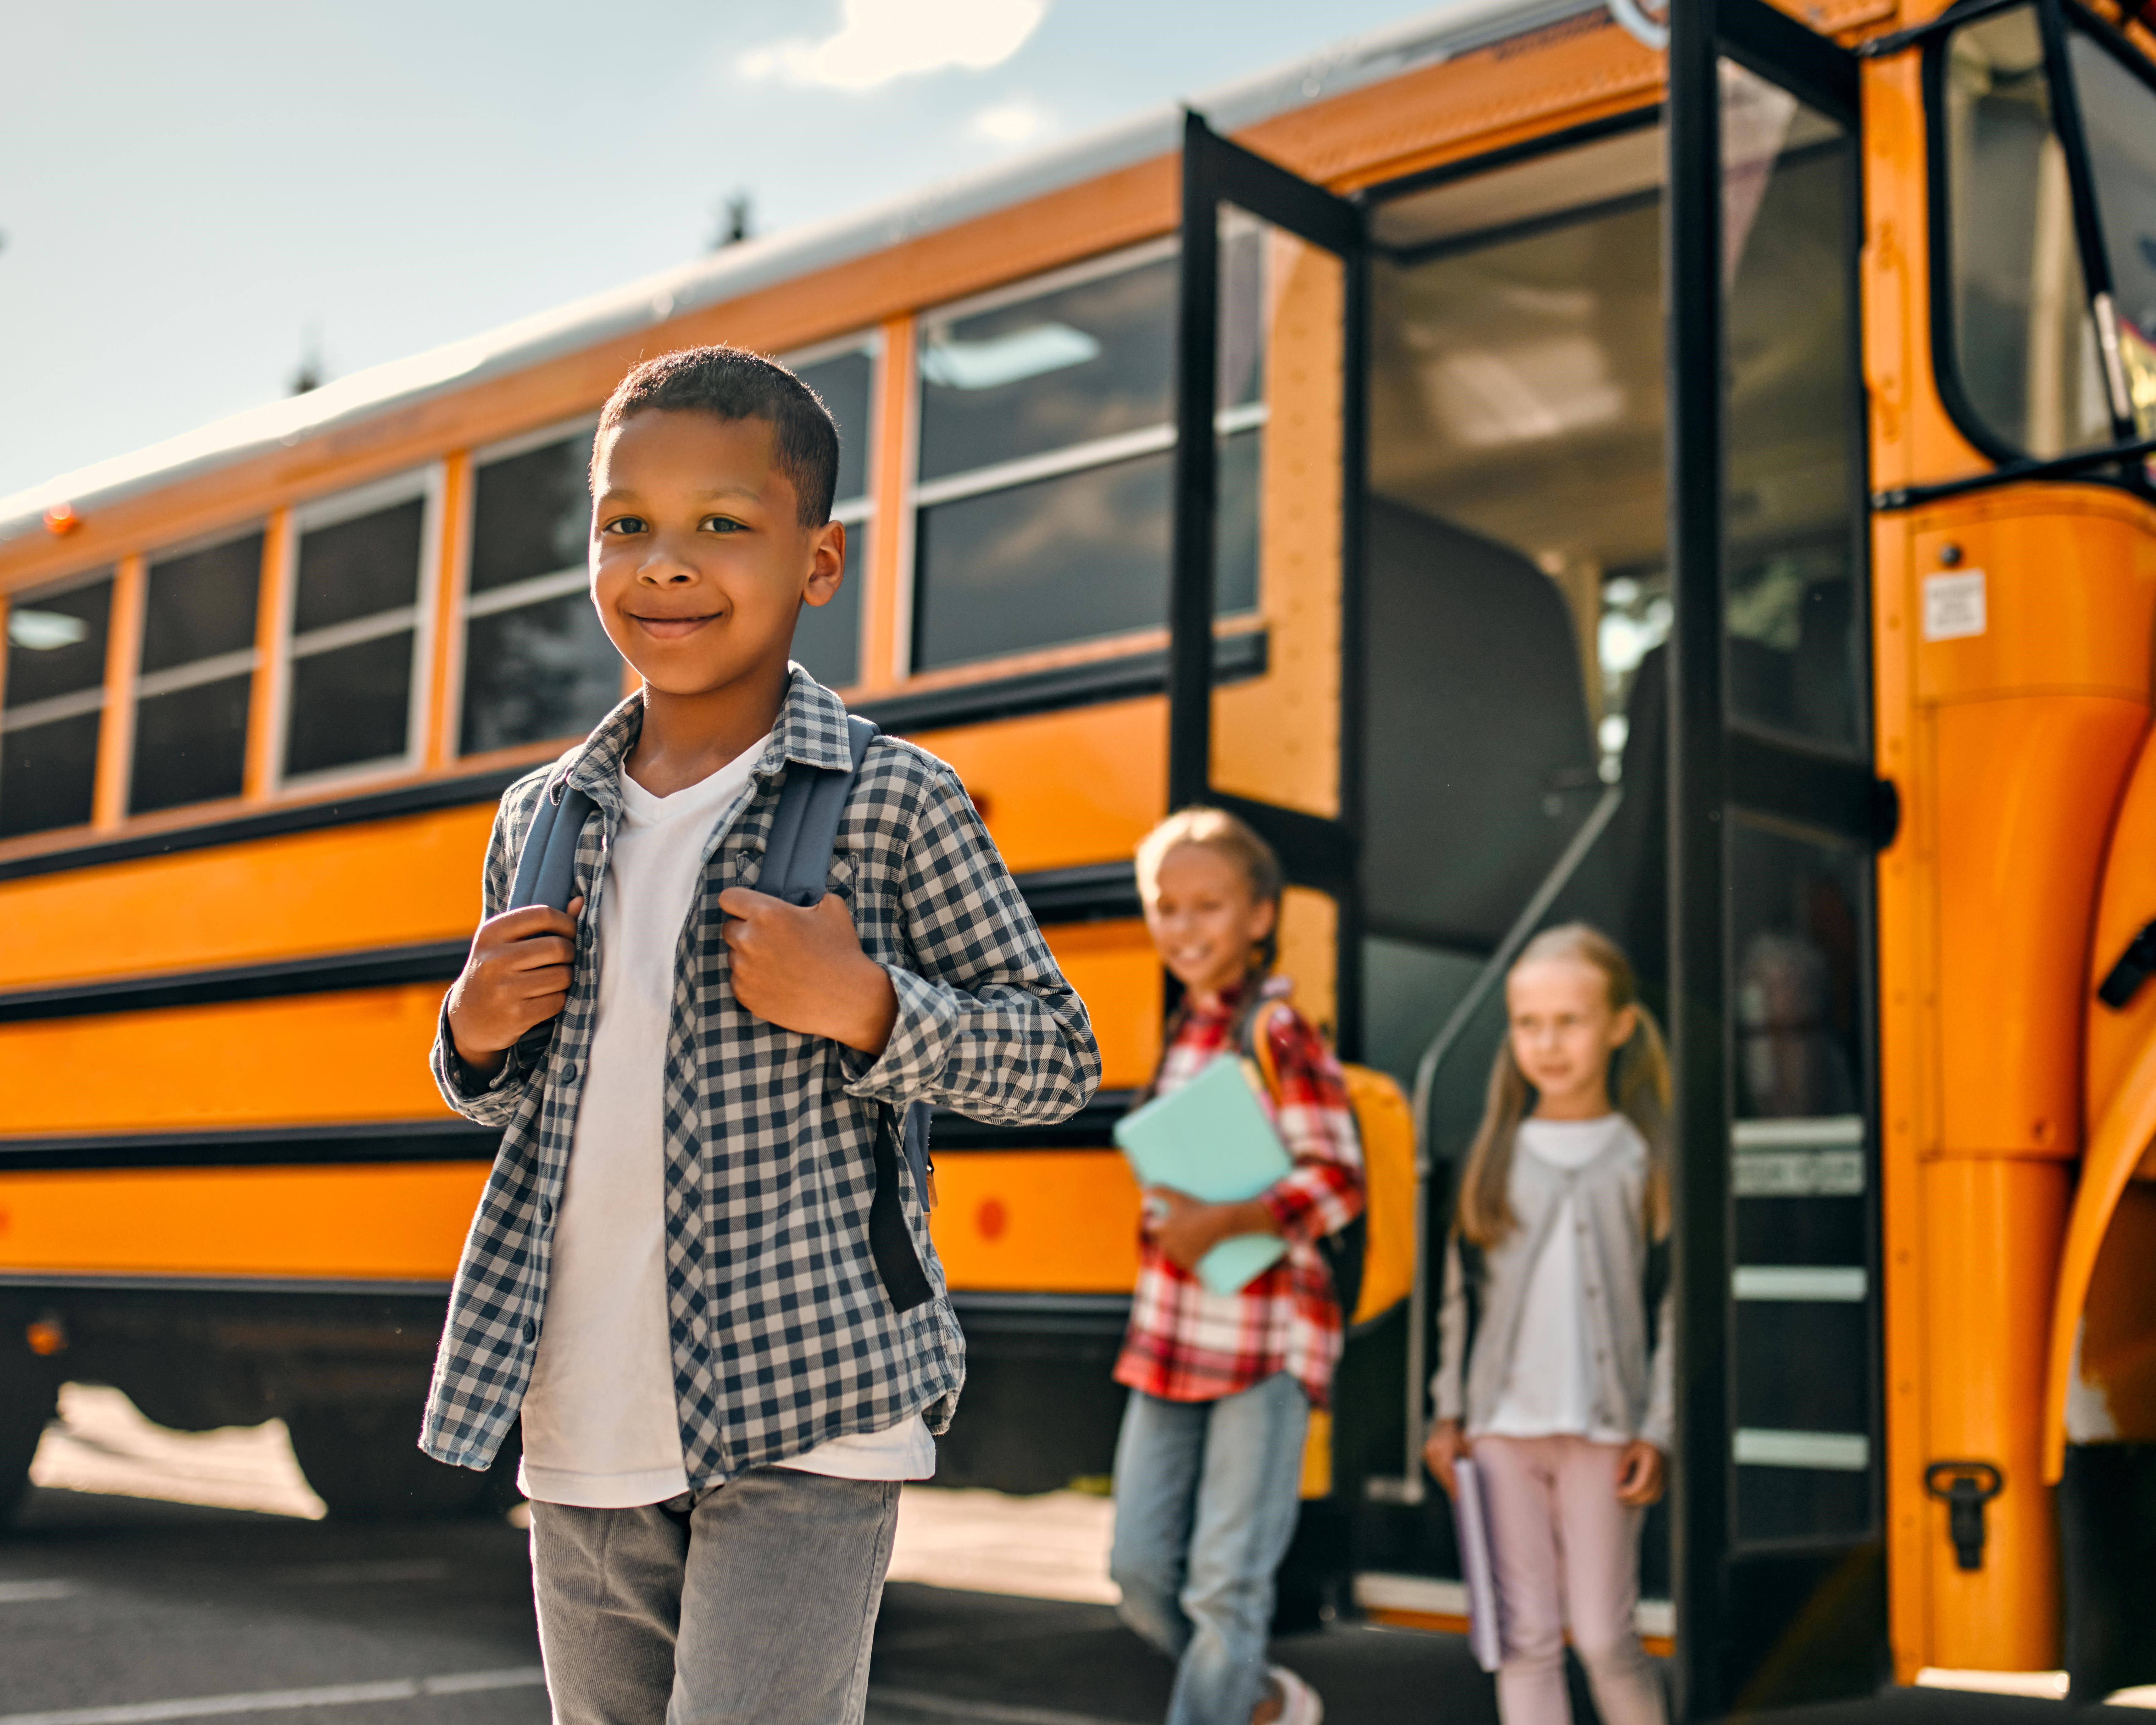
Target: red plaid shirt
{"x": 1187, "y": 1344}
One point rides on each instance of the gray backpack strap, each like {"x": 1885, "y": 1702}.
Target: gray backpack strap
{"x": 797, "y": 862}
{"x": 546, "y": 867}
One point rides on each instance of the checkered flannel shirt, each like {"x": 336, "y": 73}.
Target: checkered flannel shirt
{"x": 1186, "y": 1343}
{"x": 783, "y": 1334}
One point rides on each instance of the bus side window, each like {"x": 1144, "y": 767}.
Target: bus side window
{"x": 52, "y": 705}
{"x": 1046, "y": 457}
{"x": 355, "y": 630}
{"x": 827, "y": 637}
{"x": 197, "y": 676}
{"x": 537, "y": 665}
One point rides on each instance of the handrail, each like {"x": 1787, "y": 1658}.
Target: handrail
{"x": 1408, "y": 1488}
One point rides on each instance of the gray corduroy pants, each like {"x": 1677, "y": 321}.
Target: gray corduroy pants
{"x": 750, "y": 1603}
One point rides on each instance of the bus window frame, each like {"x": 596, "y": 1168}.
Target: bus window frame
{"x": 858, "y": 510}
{"x": 427, "y": 482}
{"x": 175, "y": 678}
{"x": 2054, "y": 18}
{"x": 1094, "y": 453}
{"x": 530, "y": 590}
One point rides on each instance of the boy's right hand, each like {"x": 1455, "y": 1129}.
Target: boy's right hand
{"x": 517, "y": 976}
{"x": 1445, "y": 1444}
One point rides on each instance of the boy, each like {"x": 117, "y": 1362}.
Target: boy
{"x": 669, "y": 1276}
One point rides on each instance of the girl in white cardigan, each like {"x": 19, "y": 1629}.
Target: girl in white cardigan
{"x": 1558, "y": 1393}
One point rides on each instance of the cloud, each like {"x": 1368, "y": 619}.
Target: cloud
{"x": 1009, "y": 122}
{"x": 882, "y": 40}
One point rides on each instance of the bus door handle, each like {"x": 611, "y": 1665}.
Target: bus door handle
{"x": 1965, "y": 1487}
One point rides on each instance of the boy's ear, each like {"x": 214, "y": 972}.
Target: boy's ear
{"x": 827, "y": 568}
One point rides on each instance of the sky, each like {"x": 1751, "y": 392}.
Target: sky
{"x": 193, "y": 198}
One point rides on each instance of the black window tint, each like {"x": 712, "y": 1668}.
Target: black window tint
{"x": 842, "y": 382}
{"x": 48, "y": 773}
{"x": 1081, "y": 362}
{"x": 350, "y": 705}
{"x": 358, "y": 568}
{"x": 201, "y": 605}
{"x": 538, "y": 672}
{"x": 56, "y": 642}
{"x": 190, "y": 745}
{"x": 532, "y": 514}
{"x": 827, "y": 637}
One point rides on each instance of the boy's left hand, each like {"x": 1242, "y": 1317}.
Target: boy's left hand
{"x": 1639, "y": 1474}
{"x": 805, "y": 970}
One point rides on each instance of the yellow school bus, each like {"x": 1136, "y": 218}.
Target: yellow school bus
{"x": 1546, "y": 460}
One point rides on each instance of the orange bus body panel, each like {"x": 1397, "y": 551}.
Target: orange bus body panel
{"x": 385, "y": 1222}
{"x": 337, "y": 889}
{"x": 1048, "y": 1221}
{"x": 2011, "y": 749}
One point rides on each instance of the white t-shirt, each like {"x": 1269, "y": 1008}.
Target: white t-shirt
{"x": 600, "y": 1427}
{"x": 1550, "y": 1391}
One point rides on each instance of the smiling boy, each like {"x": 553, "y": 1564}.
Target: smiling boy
{"x": 669, "y": 1277}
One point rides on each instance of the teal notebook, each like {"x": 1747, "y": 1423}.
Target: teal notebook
{"x": 1212, "y": 1140}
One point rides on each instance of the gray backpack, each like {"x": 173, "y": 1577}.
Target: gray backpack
{"x": 796, "y": 859}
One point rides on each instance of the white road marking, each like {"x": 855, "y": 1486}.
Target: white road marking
{"x": 945, "y": 1706}
{"x": 273, "y": 1700}
{"x": 24, "y": 1592}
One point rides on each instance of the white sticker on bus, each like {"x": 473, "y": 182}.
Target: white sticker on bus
{"x": 1954, "y": 605}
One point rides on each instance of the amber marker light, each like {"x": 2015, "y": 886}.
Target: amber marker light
{"x": 47, "y": 1337}
{"x": 61, "y": 518}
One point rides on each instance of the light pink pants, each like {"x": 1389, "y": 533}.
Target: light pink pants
{"x": 1565, "y": 1550}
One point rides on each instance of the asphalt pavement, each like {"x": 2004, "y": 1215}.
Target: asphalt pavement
{"x": 118, "y": 1608}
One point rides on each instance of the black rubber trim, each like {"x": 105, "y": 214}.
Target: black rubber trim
{"x": 257, "y": 1146}
{"x": 379, "y": 967}
{"x": 1235, "y": 657}
{"x": 1088, "y": 1129}
{"x": 1786, "y": 782}
{"x": 986, "y": 1313}
{"x": 167, "y": 1288}
{"x": 2076, "y": 466}
{"x": 1092, "y": 892}
{"x": 275, "y": 823}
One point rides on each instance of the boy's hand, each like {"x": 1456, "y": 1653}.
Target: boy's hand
{"x": 1445, "y": 1444}
{"x": 517, "y": 976}
{"x": 805, "y": 970}
{"x": 1639, "y": 1474}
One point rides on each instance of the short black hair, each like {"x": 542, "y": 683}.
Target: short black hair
{"x": 729, "y": 384}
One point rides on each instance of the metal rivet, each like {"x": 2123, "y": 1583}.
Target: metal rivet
{"x": 1949, "y": 554}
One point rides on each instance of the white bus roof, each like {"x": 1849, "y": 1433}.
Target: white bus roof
{"x": 1456, "y": 28}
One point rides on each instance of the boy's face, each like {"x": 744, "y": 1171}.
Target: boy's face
{"x": 700, "y": 563}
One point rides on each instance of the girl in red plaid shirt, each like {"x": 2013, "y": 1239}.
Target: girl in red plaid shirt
{"x": 1210, "y": 1464}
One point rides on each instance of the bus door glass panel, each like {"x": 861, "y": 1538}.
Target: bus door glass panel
{"x": 1516, "y": 585}
{"x": 352, "y": 694}
{"x": 1516, "y": 590}
{"x": 537, "y": 665}
{"x": 1803, "y": 1314}
{"x": 827, "y": 638}
{"x": 52, "y": 704}
{"x": 2118, "y": 119}
{"x": 2021, "y": 343}
{"x": 1277, "y": 425}
{"x": 196, "y": 676}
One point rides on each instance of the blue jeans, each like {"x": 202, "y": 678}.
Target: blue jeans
{"x": 1206, "y": 1498}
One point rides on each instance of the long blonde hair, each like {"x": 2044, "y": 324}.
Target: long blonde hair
{"x": 1638, "y": 1083}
